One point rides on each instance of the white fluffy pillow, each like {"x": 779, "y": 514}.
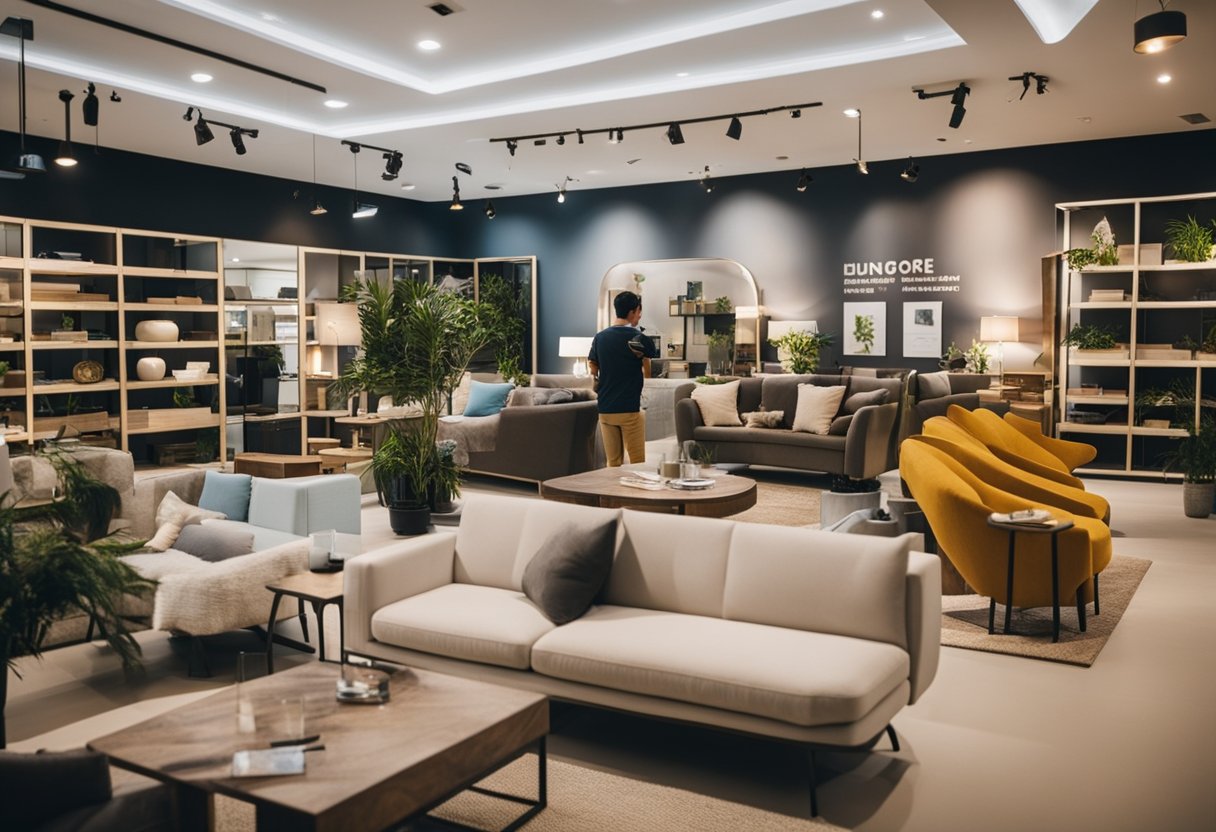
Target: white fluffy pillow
{"x": 817, "y": 407}
{"x": 718, "y": 404}
{"x": 172, "y": 515}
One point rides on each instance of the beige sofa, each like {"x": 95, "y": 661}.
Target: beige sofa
{"x": 789, "y": 633}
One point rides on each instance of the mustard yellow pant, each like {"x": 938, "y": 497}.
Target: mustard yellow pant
{"x": 623, "y": 432}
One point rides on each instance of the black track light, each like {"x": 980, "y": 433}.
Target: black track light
{"x": 456, "y": 204}
{"x": 795, "y": 113}
{"x": 1040, "y": 83}
{"x": 317, "y": 208}
{"x": 862, "y": 167}
{"x": 561, "y": 140}
{"x": 115, "y": 97}
{"x": 804, "y": 181}
{"x": 238, "y": 141}
{"x": 707, "y": 183}
{"x": 580, "y": 136}
{"x": 958, "y": 99}
{"x": 735, "y": 129}
{"x": 539, "y": 142}
{"x": 202, "y": 131}
{"x": 512, "y": 145}
{"x": 66, "y": 158}
{"x": 911, "y": 173}
{"x": 490, "y": 212}
{"x": 23, "y": 30}
{"x": 392, "y": 165}
{"x": 1159, "y": 31}
{"x": 89, "y": 106}
{"x": 674, "y": 134}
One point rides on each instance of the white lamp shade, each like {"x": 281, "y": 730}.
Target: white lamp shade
{"x": 338, "y": 325}
{"x": 999, "y": 328}
{"x": 776, "y": 329}
{"x": 573, "y": 346}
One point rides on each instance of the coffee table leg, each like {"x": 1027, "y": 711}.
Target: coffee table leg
{"x": 272, "y": 818}
{"x": 319, "y": 611}
{"x": 535, "y": 807}
{"x": 192, "y": 807}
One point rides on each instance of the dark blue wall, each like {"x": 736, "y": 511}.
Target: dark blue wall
{"x": 987, "y": 216}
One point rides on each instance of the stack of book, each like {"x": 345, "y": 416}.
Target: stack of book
{"x": 63, "y": 293}
{"x": 1107, "y": 295}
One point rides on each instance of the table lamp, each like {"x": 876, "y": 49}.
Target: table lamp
{"x": 575, "y": 347}
{"x": 999, "y": 328}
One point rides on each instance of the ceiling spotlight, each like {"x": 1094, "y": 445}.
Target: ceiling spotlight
{"x": 455, "y": 206}
{"x": 674, "y": 134}
{"x": 735, "y": 129}
{"x": 616, "y": 136}
{"x": 465, "y": 168}
{"x": 1164, "y": 78}
{"x": 201, "y": 78}
{"x": 364, "y": 210}
{"x": 238, "y": 141}
{"x": 539, "y": 142}
{"x": 392, "y": 166}
{"x": 795, "y": 113}
{"x": 852, "y": 112}
{"x": 490, "y": 212}
{"x": 877, "y": 14}
{"x": 706, "y": 182}
{"x": 804, "y": 181}
{"x": 1159, "y": 31}
{"x": 958, "y": 99}
{"x": 1040, "y": 85}
{"x": 428, "y": 45}
{"x": 512, "y": 145}
{"x": 911, "y": 173}
{"x": 561, "y": 139}
{"x": 115, "y": 97}
{"x": 89, "y": 106}
{"x": 202, "y": 130}
{"x": 66, "y": 158}
{"x": 335, "y": 104}
{"x": 580, "y": 136}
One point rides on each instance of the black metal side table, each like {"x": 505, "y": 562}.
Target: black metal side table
{"x": 1025, "y": 528}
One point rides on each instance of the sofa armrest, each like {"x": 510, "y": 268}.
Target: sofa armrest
{"x": 688, "y": 418}
{"x": 303, "y": 505}
{"x": 401, "y": 570}
{"x": 924, "y": 611}
{"x": 228, "y": 595}
{"x": 140, "y": 509}
{"x": 540, "y": 442}
{"x": 868, "y": 440}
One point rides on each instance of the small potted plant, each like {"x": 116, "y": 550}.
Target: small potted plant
{"x": 403, "y": 480}
{"x": 1189, "y": 241}
{"x": 721, "y": 345}
{"x": 976, "y": 358}
{"x": 953, "y": 359}
{"x": 799, "y": 350}
{"x": 723, "y": 305}
{"x": 1207, "y": 350}
{"x": 1195, "y": 458}
{"x": 1095, "y": 341}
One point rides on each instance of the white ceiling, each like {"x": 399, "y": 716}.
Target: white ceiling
{"x": 534, "y": 66}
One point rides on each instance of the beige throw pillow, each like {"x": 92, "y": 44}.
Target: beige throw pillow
{"x": 718, "y": 404}
{"x": 764, "y": 418}
{"x": 817, "y": 407}
{"x": 172, "y": 515}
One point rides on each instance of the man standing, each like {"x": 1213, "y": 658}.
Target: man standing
{"x": 619, "y": 359}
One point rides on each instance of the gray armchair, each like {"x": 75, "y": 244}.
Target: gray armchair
{"x": 933, "y": 393}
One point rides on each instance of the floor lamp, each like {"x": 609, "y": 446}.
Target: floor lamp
{"x": 999, "y": 328}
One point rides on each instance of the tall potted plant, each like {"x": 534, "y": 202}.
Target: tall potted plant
{"x": 417, "y": 344}
{"x": 52, "y": 565}
{"x": 1195, "y": 458}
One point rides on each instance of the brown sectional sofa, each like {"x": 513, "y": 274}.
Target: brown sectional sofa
{"x": 863, "y": 451}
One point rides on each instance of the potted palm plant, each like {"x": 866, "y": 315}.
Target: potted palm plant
{"x": 54, "y": 563}
{"x": 417, "y": 344}
{"x": 1195, "y": 458}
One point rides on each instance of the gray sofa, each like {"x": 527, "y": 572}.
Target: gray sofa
{"x": 929, "y": 397}
{"x": 864, "y": 451}
{"x": 796, "y": 634}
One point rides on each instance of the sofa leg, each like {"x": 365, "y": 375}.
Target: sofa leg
{"x": 894, "y": 737}
{"x": 199, "y": 668}
{"x": 813, "y": 783}
{"x": 1096, "y": 607}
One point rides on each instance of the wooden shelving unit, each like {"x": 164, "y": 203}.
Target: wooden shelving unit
{"x": 1164, "y": 301}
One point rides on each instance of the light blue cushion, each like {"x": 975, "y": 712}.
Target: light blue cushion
{"x": 486, "y": 399}
{"x": 228, "y": 493}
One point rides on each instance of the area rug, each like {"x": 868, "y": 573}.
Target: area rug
{"x": 581, "y": 800}
{"x": 965, "y": 621}
{"x": 783, "y": 501}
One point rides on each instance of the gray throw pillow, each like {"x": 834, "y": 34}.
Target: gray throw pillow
{"x": 840, "y": 425}
{"x": 570, "y": 569}
{"x": 857, "y": 401}
{"x": 933, "y": 385}
{"x": 214, "y": 542}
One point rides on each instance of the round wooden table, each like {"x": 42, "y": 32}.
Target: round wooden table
{"x": 730, "y": 494}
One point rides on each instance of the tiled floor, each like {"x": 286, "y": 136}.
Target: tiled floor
{"x": 997, "y": 743}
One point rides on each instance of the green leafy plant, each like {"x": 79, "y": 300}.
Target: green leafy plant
{"x": 977, "y": 357}
{"x": 863, "y": 332}
{"x": 1089, "y": 337}
{"x": 1190, "y": 241}
{"x": 207, "y": 444}
{"x": 710, "y": 380}
{"x": 953, "y": 358}
{"x": 802, "y": 349}
{"x": 67, "y": 322}
{"x": 698, "y": 452}
{"x": 1179, "y": 398}
{"x": 1079, "y": 258}
{"x": 3, "y": 368}
{"x": 183, "y": 397}
{"x": 270, "y": 356}
{"x": 504, "y": 318}
{"x": 847, "y": 485}
{"x": 1195, "y": 455}
{"x": 723, "y": 304}
{"x": 1209, "y": 340}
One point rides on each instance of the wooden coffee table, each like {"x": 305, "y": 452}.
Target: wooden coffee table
{"x": 730, "y": 495}
{"x": 277, "y": 466}
{"x": 382, "y": 764}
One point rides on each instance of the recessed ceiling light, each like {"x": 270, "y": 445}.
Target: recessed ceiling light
{"x": 1085, "y": 119}
{"x": 200, "y": 78}
{"x": 852, "y": 112}
{"x": 493, "y": 186}
{"x": 428, "y": 45}
{"x": 408, "y": 186}
{"x": 1164, "y": 78}
{"x": 236, "y": 259}
{"x": 941, "y": 138}
{"x": 681, "y": 74}
{"x": 878, "y": 14}
{"x": 968, "y": 141}
{"x": 335, "y": 104}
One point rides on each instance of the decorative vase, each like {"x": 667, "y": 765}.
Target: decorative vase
{"x": 156, "y": 331}
{"x": 409, "y": 521}
{"x": 1197, "y": 498}
{"x": 150, "y": 368}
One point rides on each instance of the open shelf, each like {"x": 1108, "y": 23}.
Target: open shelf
{"x": 169, "y": 381}
{"x": 75, "y": 387}
{"x": 171, "y": 307}
{"x": 74, "y": 345}
{"x": 171, "y": 345}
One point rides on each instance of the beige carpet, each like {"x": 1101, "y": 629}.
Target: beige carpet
{"x": 783, "y": 500}
{"x": 965, "y": 621}
{"x": 582, "y": 800}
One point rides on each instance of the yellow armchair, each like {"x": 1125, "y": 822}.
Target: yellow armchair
{"x": 957, "y": 505}
{"x": 1010, "y": 445}
{"x": 947, "y": 436}
{"x": 1072, "y": 454}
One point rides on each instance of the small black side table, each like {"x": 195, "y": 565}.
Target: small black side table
{"x": 320, "y": 590}
{"x": 1054, "y": 531}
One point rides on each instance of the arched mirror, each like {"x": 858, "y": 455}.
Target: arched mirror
{"x": 704, "y": 312}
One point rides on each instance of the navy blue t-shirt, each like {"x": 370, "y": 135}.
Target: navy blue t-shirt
{"x": 620, "y": 388}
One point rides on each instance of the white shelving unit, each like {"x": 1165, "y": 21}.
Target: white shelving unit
{"x": 1135, "y": 315}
